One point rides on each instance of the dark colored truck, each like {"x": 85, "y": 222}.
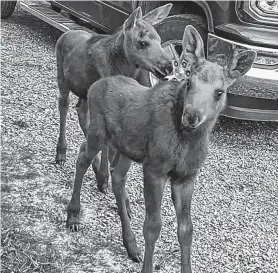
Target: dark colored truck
{"x": 225, "y": 26}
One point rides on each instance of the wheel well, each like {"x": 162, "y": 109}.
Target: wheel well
{"x": 188, "y": 7}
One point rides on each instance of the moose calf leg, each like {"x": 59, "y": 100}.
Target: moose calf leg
{"x": 83, "y": 118}
{"x": 181, "y": 196}
{"x": 83, "y": 115}
{"x": 61, "y": 148}
{"x": 118, "y": 185}
{"x": 153, "y": 191}
{"x": 85, "y": 157}
{"x": 100, "y": 168}
{"x": 114, "y": 157}
{"x": 102, "y": 174}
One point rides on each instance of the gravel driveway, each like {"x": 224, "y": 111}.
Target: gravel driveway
{"x": 234, "y": 207}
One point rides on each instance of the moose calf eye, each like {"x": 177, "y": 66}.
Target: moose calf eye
{"x": 218, "y": 93}
{"x": 143, "y": 44}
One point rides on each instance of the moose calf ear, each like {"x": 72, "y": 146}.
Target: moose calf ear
{"x": 192, "y": 42}
{"x": 240, "y": 64}
{"x": 130, "y": 22}
{"x": 159, "y": 14}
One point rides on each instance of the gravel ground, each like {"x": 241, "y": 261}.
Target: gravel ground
{"x": 234, "y": 207}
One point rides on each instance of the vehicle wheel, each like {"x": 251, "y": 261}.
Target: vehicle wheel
{"x": 171, "y": 32}
{"x": 7, "y": 8}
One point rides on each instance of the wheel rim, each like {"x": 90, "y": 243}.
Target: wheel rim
{"x": 173, "y": 49}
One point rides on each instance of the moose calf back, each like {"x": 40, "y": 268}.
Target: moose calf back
{"x": 143, "y": 123}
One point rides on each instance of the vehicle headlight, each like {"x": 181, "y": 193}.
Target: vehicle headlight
{"x": 267, "y": 7}
{"x": 261, "y": 11}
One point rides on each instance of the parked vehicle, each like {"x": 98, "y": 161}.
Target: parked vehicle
{"x": 227, "y": 27}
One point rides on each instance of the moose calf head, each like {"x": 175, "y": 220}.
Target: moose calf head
{"x": 142, "y": 43}
{"x": 209, "y": 81}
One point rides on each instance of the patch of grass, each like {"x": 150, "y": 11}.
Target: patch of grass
{"x": 21, "y": 252}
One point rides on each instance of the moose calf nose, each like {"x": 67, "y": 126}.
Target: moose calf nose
{"x": 191, "y": 120}
{"x": 165, "y": 66}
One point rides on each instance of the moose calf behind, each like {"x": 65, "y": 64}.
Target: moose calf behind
{"x": 83, "y": 58}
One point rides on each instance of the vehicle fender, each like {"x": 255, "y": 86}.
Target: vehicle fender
{"x": 206, "y": 8}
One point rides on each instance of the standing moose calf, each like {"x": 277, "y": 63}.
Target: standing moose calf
{"x": 83, "y": 58}
{"x": 166, "y": 128}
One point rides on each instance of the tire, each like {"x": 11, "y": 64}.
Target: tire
{"x": 172, "y": 28}
{"x": 7, "y": 8}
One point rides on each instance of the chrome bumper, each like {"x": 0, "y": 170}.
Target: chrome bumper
{"x": 255, "y": 95}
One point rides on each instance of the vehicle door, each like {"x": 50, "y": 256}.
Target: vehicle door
{"x": 108, "y": 14}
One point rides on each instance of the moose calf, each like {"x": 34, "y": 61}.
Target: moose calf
{"x": 166, "y": 128}
{"x": 83, "y": 58}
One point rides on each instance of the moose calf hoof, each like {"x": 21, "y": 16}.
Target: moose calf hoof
{"x": 133, "y": 251}
{"x": 73, "y": 224}
{"x": 102, "y": 183}
{"x": 73, "y": 220}
{"x": 73, "y": 227}
{"x": 60, "y": 159}
{"x": 61, "y": 151}
{"x": 61, "y": 156}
